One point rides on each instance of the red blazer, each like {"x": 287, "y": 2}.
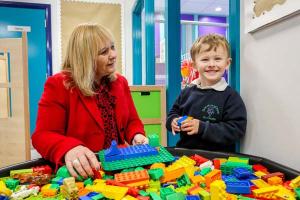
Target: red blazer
{"x": 66, "y": 118}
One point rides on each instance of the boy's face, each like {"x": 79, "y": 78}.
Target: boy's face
{"x": 211, "y": 64}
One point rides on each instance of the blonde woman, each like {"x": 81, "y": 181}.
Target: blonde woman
{"x": 86, "y": 105}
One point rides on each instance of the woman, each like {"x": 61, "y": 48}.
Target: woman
{"x": 86, "y": 105}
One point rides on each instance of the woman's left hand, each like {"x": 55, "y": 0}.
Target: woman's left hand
{"x": 140, "y": 139}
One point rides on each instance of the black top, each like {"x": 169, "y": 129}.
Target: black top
{"x": 222, "y": 114}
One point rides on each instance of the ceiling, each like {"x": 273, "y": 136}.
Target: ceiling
{"x": 202, "y": 7}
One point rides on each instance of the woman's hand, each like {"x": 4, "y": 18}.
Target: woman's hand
{"x": 190, "y": 126}
{"x": 174, "y": 126}
{"x": 140, "y": 139}
{"x": 80, "y": 161}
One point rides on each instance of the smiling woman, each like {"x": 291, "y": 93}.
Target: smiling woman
{"x": 82, "y": 108}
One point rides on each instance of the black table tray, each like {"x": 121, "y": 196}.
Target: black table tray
{"x": 272, "y": 166}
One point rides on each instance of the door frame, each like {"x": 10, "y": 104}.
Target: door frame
{"x": 47, "y": 8}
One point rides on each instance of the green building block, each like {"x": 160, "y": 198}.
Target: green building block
{"x": 153, "y": 140}
{"x": 63, "y": 172}
{"x": 143, "y": 193}
{"x": 297, "y": 192}
{"x": 227, "y": 167}
{"x": 183, "y": 180}
{"x": 240, "y": 197}
{"x": 238, "y": 160}
{"x": 164, "y": 192}
{"x": 88, "y": 181}
{"x": 11, "y": 183}
{"x": 205, "y": 171}
{"x": 20, "y": 171}
{"x": 176, "y": 196}
{"x": 154, "y": 196}
{"x": 163, "y": 156}
{"x": 155, "y": 174}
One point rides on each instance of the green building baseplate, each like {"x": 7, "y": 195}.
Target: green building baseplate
{"x": 163, "y": 156}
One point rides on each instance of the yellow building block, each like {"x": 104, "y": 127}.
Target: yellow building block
{"x": 259, "y": 174}
{"x": 4, "y": 190}
{"x": 266, "y": 192}
{"x": 218, "y": 190}
{"x": 114, "y": 192}
{"x": 295, "y": 183}
{"x": 204, "y": 194}
{"x": 260, "y": 183}
{"x": 128, "y": 197}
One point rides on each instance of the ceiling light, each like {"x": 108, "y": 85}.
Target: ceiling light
{"x": 218, "y": 9}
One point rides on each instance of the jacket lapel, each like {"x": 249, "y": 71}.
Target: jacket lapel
{"x": 91, "y": 106}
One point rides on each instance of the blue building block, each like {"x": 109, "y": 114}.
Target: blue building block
{"x": 251, "y": 177}
{"x": 239, "y": 187}
{"x": 229, "y": 178}
{"x": 192, "y": 197}
{"x": 180, "y": 120}
{"x": 113, "y": 150}
{"x": 3, "y": 197}
{"x": 241, "y": 173}
{"x": 114, "y": 153}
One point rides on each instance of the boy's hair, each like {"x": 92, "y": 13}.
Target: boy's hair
{"x": 212, "y": 40}
{"x": 84, "y": 44}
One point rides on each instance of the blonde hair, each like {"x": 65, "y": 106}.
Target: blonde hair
{"x": 213, "y": 41}
{"x": 84, "y": 43}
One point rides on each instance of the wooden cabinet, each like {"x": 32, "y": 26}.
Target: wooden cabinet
{"x": 150, "y": 102}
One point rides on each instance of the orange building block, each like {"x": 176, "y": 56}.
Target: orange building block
{"x": 212, "y": 176}
{"x": 132, "y": 177}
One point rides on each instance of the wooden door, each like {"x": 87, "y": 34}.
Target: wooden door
{"x": 14, "y": 113}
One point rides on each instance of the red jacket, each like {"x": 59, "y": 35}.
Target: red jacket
{"x": 66, "y": 118}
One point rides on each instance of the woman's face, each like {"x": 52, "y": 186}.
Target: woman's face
{"x": 105, "y": 61}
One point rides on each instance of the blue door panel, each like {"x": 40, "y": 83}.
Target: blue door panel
{"x": 37, "y": 68}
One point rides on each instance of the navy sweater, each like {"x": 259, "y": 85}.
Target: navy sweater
{"x": 222, "y": 114}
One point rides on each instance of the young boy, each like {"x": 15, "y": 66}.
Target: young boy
{"x": 217, "y": 114}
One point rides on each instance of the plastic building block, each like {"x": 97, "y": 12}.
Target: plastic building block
{"x": 113, "y": 149}
{"x": 131, "y": 191}
{"x": 115, "y": 153}
{"x": 69, "y": 189}
{"x": 238, "y": 160}
{"x": 153, "y": 140}
{"x": 154, "y": 196}
{"x": 183, "y": 180}
{"x": 241, "y": 173}
{"x": 266, "y": 192}
{"x": 199, "y": 159}
{"x": 57, "y": 180}
{"x": 260, "y": 183}
{"x": 238, "y": 187}
{"x": 259, "y": 167}
{"x": 162, "y": 156}
{"x": 155, "y": 174}
{"x": 217, "y": 190}
{"x": 4, "y": 190}
{"x": 175, "y": 196}
{"x": 192, "y": 197}
{"x": 295, "y": 183}
{"x": 267, "y": 176}
{"x": 227, "y": 167}
{"x": 172, "y": 174}
{"x": 164, "y": 192}
{"x": 12, "y": 183}
{"x": 131, "y": 177}
{"x": 181, "y": 119}
{"x": 212, "y": 176}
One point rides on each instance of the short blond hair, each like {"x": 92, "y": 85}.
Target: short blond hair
{"x": 212, "y": 40}
{"x": 80, "y": 61}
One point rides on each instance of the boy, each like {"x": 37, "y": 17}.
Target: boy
{"x": 217, "y": 114}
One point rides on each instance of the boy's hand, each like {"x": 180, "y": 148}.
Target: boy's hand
{"x": 190, "y": 126}
{"x": 174, "y": 126}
